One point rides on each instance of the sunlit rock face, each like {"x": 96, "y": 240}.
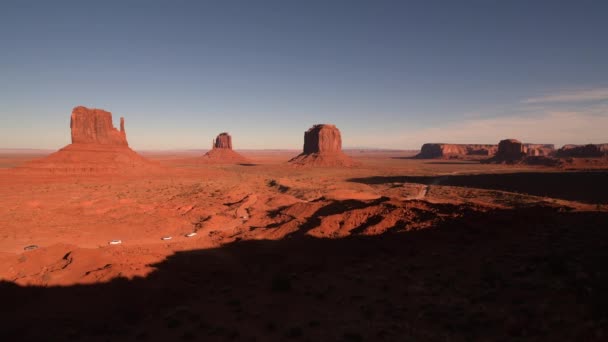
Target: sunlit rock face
{"x": 94, "y": 126}
{"x": 322, "y": 138}
{"x": 322, "y": 147}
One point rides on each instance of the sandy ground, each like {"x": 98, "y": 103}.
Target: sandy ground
{"x": 388, "y": 249}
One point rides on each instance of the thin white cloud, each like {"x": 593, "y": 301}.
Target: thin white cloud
{"x": 551, "y": 127}
{"x": 596, "y": 94}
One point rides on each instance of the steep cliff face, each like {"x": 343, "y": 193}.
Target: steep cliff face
{"x": 97, "y": 147}
{"x": 322, "y": 147}
{"x": 510, "y": 150}
{"x": 223, "y": 140}
{"x": 94, "y": 126}
{"x": 322, "y": 139}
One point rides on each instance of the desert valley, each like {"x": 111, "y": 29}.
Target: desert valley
{"x": 453, "y": 242}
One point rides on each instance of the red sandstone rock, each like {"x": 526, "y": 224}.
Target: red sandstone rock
{"x": 223, "y": 140}
{"x": 94, "y": 126}
{"x": 322, "y": 139}
{"x": 431, "y": 151}
{"x": 510, "y": 150}
{"x": 222, "y": 153}
{"x": 583, "y": 151}
{"x": 97, "y": 147}
{"x": 322, "y": 147}
{"x": 539, "y": 150}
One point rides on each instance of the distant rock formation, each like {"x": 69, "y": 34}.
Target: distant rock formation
{"x": 223, "y": 140}
{"x": 439, "y": 150}
{"x": 510, "y": 150}
{"x": 539, "y": 150}
{"x": 322, "y": 147}
{"x": 221, "y": 152}
{"x": 583, "y": 151}
{"x": 94, "y": 126}
{"x": 97, "y": 147}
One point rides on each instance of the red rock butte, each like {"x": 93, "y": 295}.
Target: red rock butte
{"x": 221, "y": 152}
{"x": 223, "y": 140}
{"x": 510, "y": 150}
{"x": 94, "y": 126}
{"x": 97, "y": 147}
{"x": 322, "y": 147}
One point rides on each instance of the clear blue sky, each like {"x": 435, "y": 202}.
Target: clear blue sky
{"x": 388, "y": 73}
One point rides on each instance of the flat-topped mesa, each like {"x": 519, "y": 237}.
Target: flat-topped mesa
{"x": 510, "y": 150}
{"x": 322, "y": 147}
{"x": 94, "y": 126}
{"x": 583, "y": 151}
{"x": 322, "y": 138}
{"x": 223, "y": 140}
{"x": 440, "y": 150}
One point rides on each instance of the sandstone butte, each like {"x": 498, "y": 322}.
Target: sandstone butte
{"x": 94, "y": 126}
{"x": 97, "y": 147}
{"x": 510, "y": 150}
{"x": 221, "y": 152}
{"x": 322, "y": 147}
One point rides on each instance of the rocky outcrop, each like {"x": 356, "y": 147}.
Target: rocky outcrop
{"x": 322, "y": 147}
{"x": 223, "y": 140}
{"x": 221, "y": 152}
{"x": 510, "y": 150}
{"x": 539, "y": 150}
{"x": 94, "y": 126}
{"x": 97, "y": 147}
{"x": 322, "y": 138}
{"x": 439, "y": 150}
{"x": 583, "y": 151}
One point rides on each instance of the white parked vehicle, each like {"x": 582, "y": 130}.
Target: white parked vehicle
{"x": 115, "y": 242}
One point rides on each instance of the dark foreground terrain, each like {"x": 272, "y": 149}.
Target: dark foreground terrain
{"x": 534, "y": 273}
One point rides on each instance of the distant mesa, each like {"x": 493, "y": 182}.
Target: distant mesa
{"x": 454, "y": 151}
{"x": 322, "y": 147}
{"x": 583, "y": 151}
{"x": 221, "y": 152}
{"x": 513, "y": 151}
{"x": 539, "y": 150}
{"x": 97, "y": 147}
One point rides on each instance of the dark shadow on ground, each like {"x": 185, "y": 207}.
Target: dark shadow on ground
{"x": 441, "y": 162}
{"x": 590, "y": 187}
{"x": 247, "y": 164}
{"x": 531, "y": 274}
